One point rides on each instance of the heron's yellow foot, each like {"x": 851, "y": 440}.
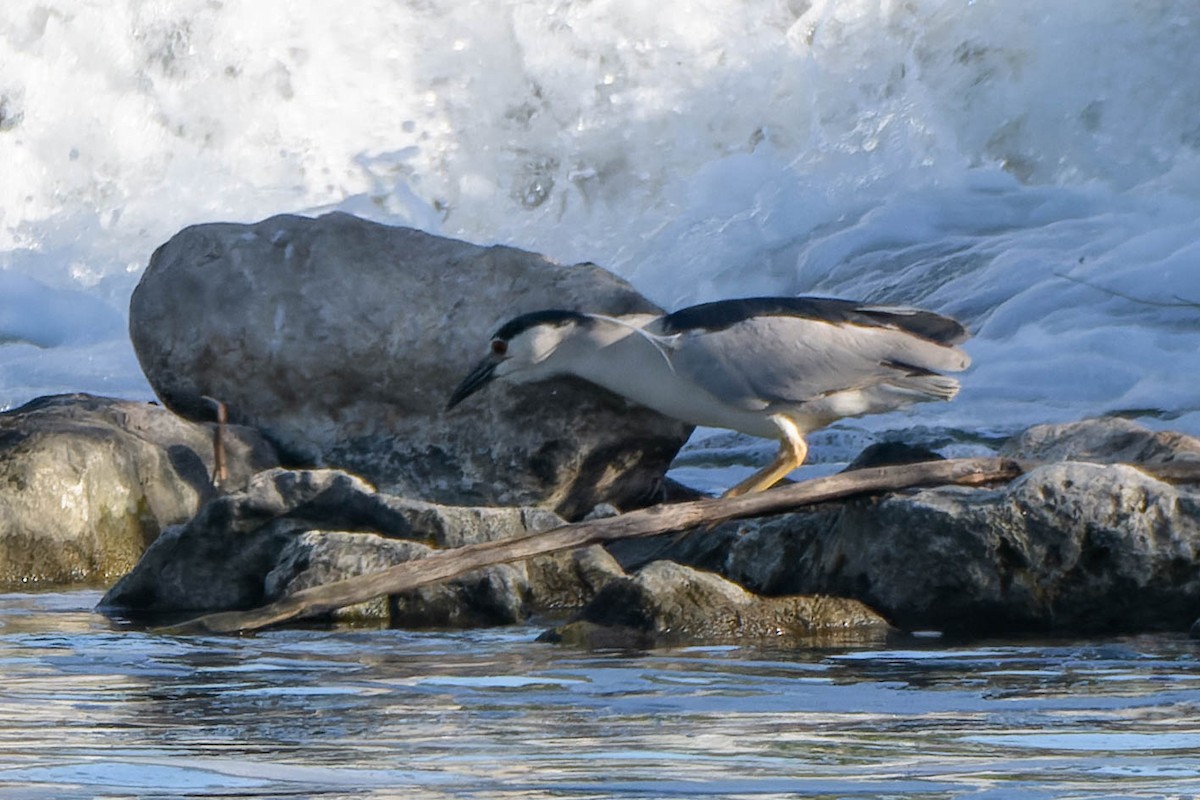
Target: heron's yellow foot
{"x": 792, "y": 452}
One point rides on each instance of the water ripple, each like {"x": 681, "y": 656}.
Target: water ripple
{"x": 87, "y": 709}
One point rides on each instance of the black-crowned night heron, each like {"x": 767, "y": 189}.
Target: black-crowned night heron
{"x": 775, "y": 367}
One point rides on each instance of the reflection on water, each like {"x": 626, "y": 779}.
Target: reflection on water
{"x": 88, "y": 710}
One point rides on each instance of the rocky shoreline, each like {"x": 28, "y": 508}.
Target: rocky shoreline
{"x": 332, "y": 474}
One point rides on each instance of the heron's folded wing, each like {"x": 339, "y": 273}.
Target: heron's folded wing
{"x": 772, "y": 359}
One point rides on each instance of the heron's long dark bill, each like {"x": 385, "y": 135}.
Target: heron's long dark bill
{"x": 481, "y": 376}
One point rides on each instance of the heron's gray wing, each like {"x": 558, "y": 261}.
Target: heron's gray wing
{"x": 770, "y": 359}
{"x": 724, "y": 313}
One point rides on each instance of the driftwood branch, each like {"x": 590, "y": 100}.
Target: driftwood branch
{"x": 448, "y": 564}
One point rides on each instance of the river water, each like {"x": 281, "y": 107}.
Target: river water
{"x": 93, "y": 708}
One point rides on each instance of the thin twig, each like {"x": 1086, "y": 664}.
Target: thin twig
{"x": 220, "y": 465}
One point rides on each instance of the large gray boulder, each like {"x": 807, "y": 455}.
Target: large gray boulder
{"x": 291, "y": 530}
{"x": 87, "y": 483}
{"x": 342, "y": 340}
{"x": 1070, "y": 546}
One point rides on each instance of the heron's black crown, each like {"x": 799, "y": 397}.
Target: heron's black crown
{"x": 551, "y": 316}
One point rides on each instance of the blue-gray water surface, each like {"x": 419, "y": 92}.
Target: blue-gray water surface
{"x": 89, "y": 709}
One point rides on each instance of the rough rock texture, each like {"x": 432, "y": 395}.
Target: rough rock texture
{"x": 294, "y": 529}
{"x": 342, "y": 340}
{"x": 666, "y": 603}
{"x": 1107, "y": 440}
{"x": 1069, "y": 546}
{"x": 501, "y": 595}
{"x": 87, "y": 483}
{"x": 570, "y": 580}
{"x": 490, "y": 597}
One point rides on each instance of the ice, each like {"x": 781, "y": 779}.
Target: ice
{"x": 1027, "y": 167}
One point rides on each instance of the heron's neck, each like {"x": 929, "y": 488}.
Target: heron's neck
{"x": 630, "y": 363}
{"x": 626, "y": 361}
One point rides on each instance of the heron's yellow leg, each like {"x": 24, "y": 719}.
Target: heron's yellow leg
{"x": 792, "y": 451}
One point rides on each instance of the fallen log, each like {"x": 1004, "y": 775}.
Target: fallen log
{"x": 646, "y": 522}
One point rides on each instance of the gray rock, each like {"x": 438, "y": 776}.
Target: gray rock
{"x": 493, "y": 596}
{"x": 500, "y": 595}
{"x": 221, "y": 558}
{"x": 1068, "y": 547}
{"x": 1108, "y": 440}
{"x": 289, "y": 531}
{"x": 666, "y": 603}
{"x": 317, "y": 557}
{"x": 342, "y": 340}
{"x": 569, "y": 580}
{"x": 201, "y": 566}
{"x": 455, "y": 526}
{"x": 89, "y": 482}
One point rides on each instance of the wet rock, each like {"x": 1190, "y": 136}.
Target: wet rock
{"x": 342, "y": 340}
{"x": 87, "y": 483}
{"x": 295, "y": 529}
{"x": 667, "y": 603}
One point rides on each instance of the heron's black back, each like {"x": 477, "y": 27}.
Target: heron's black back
{"x": 723, "y": 314}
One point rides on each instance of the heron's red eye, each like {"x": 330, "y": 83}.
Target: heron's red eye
{"x": 499, "y": 347}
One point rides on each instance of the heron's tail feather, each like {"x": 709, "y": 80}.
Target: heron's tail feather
{"x": 924, "y": 383}
{"x": 933, "y": 387}
{"x": 926, "y": 355}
